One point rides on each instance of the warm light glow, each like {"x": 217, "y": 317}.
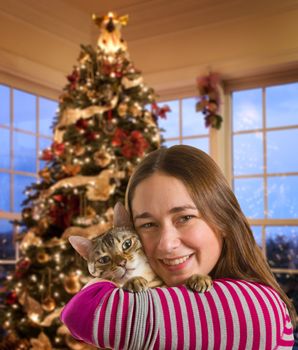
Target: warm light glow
{"x": 57, "y": 257}
{"x": 34, "y": 317}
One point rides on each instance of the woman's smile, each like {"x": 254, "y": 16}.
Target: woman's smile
{"x": 175, "y": 264}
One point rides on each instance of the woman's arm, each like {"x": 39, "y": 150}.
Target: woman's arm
{"x": 234, "y": 314}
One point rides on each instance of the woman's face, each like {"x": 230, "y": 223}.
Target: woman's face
{"x": 177, "y": 242}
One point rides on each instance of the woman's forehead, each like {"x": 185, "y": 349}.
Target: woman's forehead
{"x": 160, "y": 190}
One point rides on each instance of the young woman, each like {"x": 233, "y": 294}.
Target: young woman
{"x": 190, "y": 223}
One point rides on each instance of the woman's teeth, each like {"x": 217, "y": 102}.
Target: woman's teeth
{"x": 175, "y": 261}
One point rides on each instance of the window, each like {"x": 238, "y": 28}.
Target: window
{"x": 25, "y": 129}
{"x": 184, "y": 125}
{"x": 265, "y": 172}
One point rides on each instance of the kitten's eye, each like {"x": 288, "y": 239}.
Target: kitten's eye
{"x": 126, "y": 244}
{"x": 104, "y": 259}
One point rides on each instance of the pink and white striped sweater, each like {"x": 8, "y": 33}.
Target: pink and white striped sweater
{"x": 233, "y": 315}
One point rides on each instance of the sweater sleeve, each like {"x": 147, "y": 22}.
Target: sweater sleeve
{"x": 233, "y": 315}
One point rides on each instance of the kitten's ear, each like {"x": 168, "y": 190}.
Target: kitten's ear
{"x": 121, "y": 216}
{"x": 82, "y": 245}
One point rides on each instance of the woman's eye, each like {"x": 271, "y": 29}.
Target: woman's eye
{"x": 104, "y": 259}
{"x": 126, "y": 244}
{"x": 147, "y": 225}
{"x": 186, "y": 218}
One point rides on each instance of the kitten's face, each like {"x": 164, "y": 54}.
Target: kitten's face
{"x": 115, "y": 255}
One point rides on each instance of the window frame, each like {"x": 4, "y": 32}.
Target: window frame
{"x": 261, "y": 81}
{"x": 39, "y": 91}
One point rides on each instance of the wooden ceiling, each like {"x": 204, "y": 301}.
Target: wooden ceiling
{"x": 171, "y": 41}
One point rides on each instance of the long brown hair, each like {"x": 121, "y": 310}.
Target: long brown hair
{"x": 240, "y": 258}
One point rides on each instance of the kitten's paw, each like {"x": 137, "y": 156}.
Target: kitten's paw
{"x": 199, "y": 283}
{"x": 136, "y": 284}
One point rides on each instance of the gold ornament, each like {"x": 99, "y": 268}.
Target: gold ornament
{"x": 45, "y": 174}
{"x": 41, "y": 343}
{"x": 48, "y": 304}
{"x": 31, "y": 306}
{"x": 42, "y": 257}
{"x": 90, "y": 212}
{"x": 92, "y": 94}
{"x": 122, "y": 109}
{"x": 71, "y": 283}
{"x": 102, "y": 158}
{"x": 79, "y": 150}
{"x": 54, "y": 242}
{"x": 43, "y": 223}
{"x": 136, "y": 110}
{"x": 72, "y": 169}
{"x": 30, "y": 239}
{"x": 148, "y": 119}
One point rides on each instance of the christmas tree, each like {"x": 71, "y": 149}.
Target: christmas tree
{"x": 102, "y": 130}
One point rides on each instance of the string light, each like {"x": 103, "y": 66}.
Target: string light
{"x": 57, "y": 339}
{"x": 34, "y": 317}
{"x": 57, "y": 257}
{"x": 33, "y": 278}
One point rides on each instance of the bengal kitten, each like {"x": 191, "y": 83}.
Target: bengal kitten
{"x": 118, "y": 256}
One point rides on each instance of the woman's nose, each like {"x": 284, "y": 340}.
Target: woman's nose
{"x": 168, "y": 240}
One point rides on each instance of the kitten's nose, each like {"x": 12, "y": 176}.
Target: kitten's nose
{"x": 120, "y": 261}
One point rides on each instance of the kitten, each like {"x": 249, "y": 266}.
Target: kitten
{"x": 118, "y": 256}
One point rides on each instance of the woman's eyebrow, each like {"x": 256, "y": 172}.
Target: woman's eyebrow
{"x": 144, "y": 215}
{"x": 173, "y": 210}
